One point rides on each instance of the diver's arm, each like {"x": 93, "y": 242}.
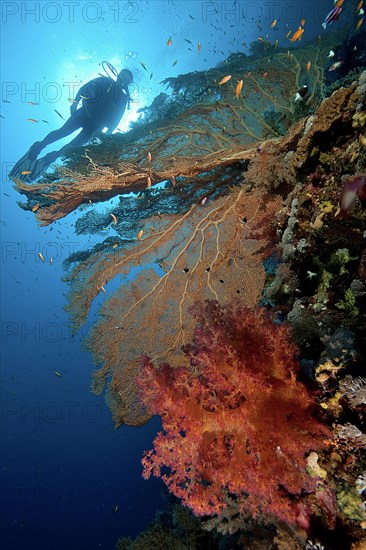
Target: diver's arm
{"x": 90, "y": 91}
{"x": 112, "y": 125}
{"x": 111, "y": 128}
{"x": 76, "y": 101}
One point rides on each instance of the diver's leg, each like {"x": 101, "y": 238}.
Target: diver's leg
{"x": 31, "y": 168}
{"x": 80, "y": 139}
{"x": 73, "y": 123}
{"x": 83, "y": 137}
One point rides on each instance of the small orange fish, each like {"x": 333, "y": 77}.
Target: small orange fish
{"x": 103, "y": 289}
{"x": 308, "y": 66}
{"x": 170, "y": 42}
{"x": 302, "y": 22}
{"x": 148, "y": 182}
{"x": 362, "y": 139}
{"x": 297, "y": 34}
{"x": 199, "y": 47}
{"x": 25, "y": 172}
{"x": 273, "y": 24}
{"x": 173, "y": 180}
{"x": 260, "y": 39}
{"x": 359, "y": 23}
{"x": 359, "y": 6}
{"x": 114, "y": 219}
{"x": 265, "y": 74}
{"x": 338, "y": 3}
{"x": 139, "y": 234}
{"x": 225, "y": 79}
{"x": 72, "y": 100}
{"x": 238, "y": 89}
{"x": 51, "y": 261}
{"x": 288, "y": 34}
{"x": 149, "y": 156}
{"x": 35, "y": 207}
{"x": 32, "y": 120}
{"x": 40, "y": 255}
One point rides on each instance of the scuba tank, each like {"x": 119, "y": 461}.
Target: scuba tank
{"x": 107, "y": 66}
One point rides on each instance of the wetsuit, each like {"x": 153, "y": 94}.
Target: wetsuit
{"x": 103, "y": 105}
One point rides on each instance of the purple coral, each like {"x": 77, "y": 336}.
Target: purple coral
{"x": 353, "y": 187}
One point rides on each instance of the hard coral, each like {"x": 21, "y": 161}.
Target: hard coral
{"x": 354, "y": 389}
{"x": 237, "y": 421}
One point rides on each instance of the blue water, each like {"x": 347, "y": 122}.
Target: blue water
{"x": 63, "y": 465}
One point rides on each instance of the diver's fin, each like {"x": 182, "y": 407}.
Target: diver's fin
{"x": 42, "y": 164}
{"x": 23, "y": 169}
{"x": 28, "y": 170}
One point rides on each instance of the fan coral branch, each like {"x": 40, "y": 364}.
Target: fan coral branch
{"x": 205, "y": 119}
{"x": 208, "y": 252}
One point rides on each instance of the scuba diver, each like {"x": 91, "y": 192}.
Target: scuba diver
{"x": 104, "y": 102}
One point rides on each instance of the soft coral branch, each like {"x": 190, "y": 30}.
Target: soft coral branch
{"x": 236, "y": 420}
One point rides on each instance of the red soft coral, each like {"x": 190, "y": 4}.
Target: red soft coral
{"x": 237, "y": 420}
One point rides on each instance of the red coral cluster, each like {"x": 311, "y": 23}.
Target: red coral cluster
{"x": 236, "y": 420}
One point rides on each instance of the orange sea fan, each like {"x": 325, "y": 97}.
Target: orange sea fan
{"x": 208, "y": 252}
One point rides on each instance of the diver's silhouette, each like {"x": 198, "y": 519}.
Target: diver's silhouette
{"x": 104, "y": 102}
